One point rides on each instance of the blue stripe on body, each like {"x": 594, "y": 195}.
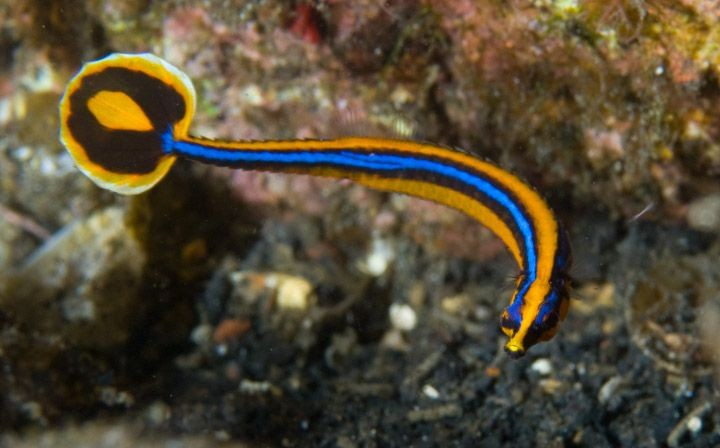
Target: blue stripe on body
{"x": 377, "y": 162}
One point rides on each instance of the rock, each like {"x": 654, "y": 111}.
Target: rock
{"x": 81, "y": 287}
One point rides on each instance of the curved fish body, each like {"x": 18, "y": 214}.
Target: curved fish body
{"x": 125, "y": 120}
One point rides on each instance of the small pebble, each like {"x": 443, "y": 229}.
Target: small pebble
{"x": 394, "y": 340}
{"x": 704, "y": 213}
{"x": 402, "y": 316}
{"x": 292, "y": 292}
{"x": 230, "y": 330}
{"x": 252, "y": 95}
{"x": 13, "y": 108}
{"x": 455, "y": 304}
{"x": 430, "y": 392}
{"x": 158, "y": 413}
{"x": 378, "y": 259}
{"x": 609, "y": 389}
{"x": 695, "y": 425}
{"x": 551, "y": 386}
{"x": 23, "y": 153}
{"x": 202, "y": 335}
{"x": 221, "y": 349}
{"x": 251, "y": 387}
{"x": 542, "y": 366}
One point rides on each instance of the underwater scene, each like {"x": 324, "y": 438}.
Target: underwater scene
{"x": 335, "y": 223}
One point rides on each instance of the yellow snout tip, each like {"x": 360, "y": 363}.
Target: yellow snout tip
{"x": 514, "y": 350}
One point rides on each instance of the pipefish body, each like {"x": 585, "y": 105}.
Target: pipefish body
{"x": 125, "y": 120}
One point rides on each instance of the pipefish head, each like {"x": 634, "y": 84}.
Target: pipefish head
{"x": 529, "y": 324}
{"x": 119, "y": 116}
{"x": 538, "y": 306}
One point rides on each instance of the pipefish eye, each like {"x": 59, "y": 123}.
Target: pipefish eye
{"x": 508, "y": 325}
{"x": 119, "y": 115}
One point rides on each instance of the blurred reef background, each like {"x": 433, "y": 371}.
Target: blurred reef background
{"x": 240, "y": 309}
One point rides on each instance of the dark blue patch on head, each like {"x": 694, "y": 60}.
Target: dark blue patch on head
{"x": 513, "y": 310}
{"x": 510, "y": 321}
{"x": 550, "y": 304}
